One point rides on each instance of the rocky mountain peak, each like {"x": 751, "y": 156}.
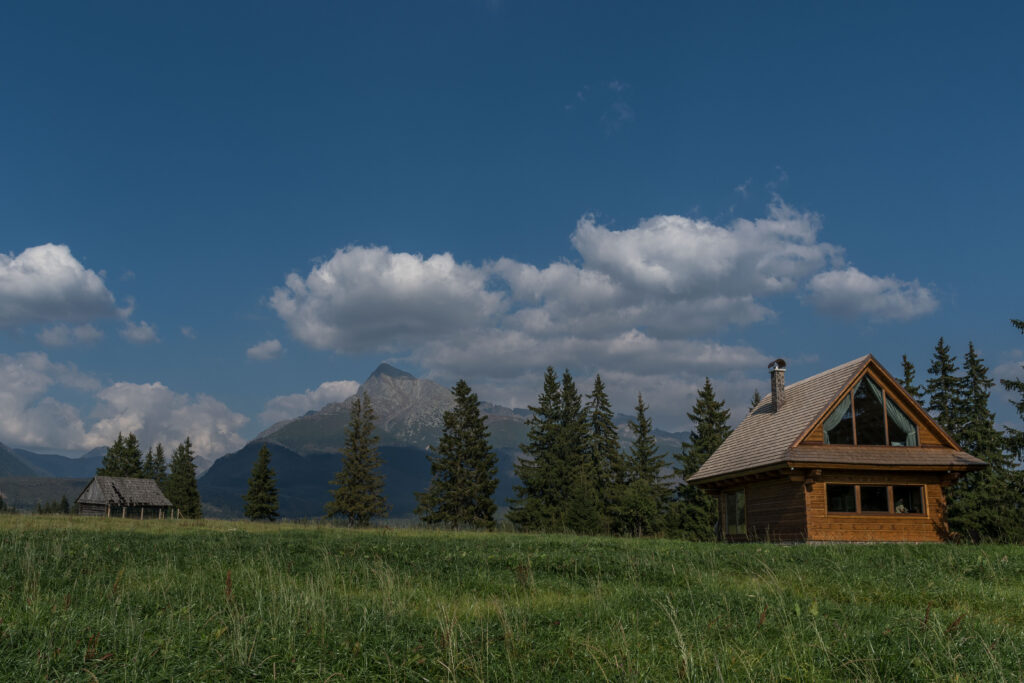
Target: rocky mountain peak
{"x": 385, "y": 370}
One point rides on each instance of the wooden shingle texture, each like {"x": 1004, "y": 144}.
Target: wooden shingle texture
{"x": 123, "y": 492}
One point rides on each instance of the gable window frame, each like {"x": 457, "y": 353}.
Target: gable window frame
{"x": 886, "y": 400}
{"x": 890, "y": 497}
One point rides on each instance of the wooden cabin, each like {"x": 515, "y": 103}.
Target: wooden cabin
{"x": 845, "y": 455}
{"x": 123, "y": 497}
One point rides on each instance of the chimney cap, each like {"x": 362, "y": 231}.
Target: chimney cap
{"x": 777, "y": 364}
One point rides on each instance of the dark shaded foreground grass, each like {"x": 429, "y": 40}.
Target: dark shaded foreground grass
{"x": 123, "y": 600}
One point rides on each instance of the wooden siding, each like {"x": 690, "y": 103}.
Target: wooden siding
{"x": 823, "y": 525}
{"x": 775, "y": 511}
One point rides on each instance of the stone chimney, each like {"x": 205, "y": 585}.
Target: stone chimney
{"x": 778, "y": 373}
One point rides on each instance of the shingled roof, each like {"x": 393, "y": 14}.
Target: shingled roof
{"x": 123, "y": 492}
{"x": 766, "y": 437}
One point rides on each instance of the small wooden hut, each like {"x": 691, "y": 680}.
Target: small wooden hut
{"x": 123, "y": 497}
{"x": 845, "y": 455}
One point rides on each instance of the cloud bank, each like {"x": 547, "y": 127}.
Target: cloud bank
{"x": 639, "y": 300}
{"x": 30, "y": 417}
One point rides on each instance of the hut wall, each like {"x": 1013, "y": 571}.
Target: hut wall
{"x": 823, "y": 525}
{"x": 774, "y": 511}
{"x": 92, "y": 509}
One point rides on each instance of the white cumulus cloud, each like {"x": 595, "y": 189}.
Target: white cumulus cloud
{"x": 139, "y": 333}
{"x": 63, "y": 335}
{"x": 292, "y": 405}
{"x": 46, "y": 284}
{"x": 28, "y": 416}
{"x": 641, "y": 300}
{"x": 371, "y": 298}
{"x": 851, "y": 293}
{"x": 155, "y": 413}
{"x": 265, "y": 350}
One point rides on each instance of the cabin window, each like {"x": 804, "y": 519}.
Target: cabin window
{"x": 867, "y": 416}
{"x": 841, "y": 497}
{"x": 872, "y": 498}
{"x": 735, "y": 513}
{"x": 907, "y": 500}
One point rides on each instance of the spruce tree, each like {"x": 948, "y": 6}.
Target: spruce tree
{"x": 1014, "y": 438}
{"x": 123, "y": 458}
{"x": 754, "y": 400}
{"x": 696, "y": 512}
{"x": 149, "y": 465}
{"x": 945, "y": 390}
{"x": 464, "y": 469}
{"x": 537, "y": 502}
{"x": 160, "y": 467}
{"x": 985, "y": 504}
{"x": 359, "y": 492}
{"x": 261, "y": 500}
{"x": 909, "y": 377}
{"x": 182, "y": 488}
{"x": 579, "y": 486}
{"x": 606, "y": 453}
{"x": 646, "y": 496}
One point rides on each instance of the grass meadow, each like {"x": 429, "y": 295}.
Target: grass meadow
{"x": 112, "y": 600}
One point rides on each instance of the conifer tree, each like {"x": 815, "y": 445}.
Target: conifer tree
{"x": 464, "y": 470}
{"x": 123, "y": 458}
{"x": 1014, "y": 438}
{"x": 160, "y": 467}
{"x": 182, "y": 488}
{"x": 754, "y": 400}
{"x": 149, "y": 465}
{"x": 945, "y": 390}
{"x": 579, "y": 486}
{"x": 985, "y": 504}
{"x": 359, "y": 492}
{"x": 696, "y": 512}
{"x": 647, "y": 495}
{"x": 909, "y": 377}
{"x": 606, "y": 453}
{"x": 538, "y": 498}
{"x": 261, "y": 500}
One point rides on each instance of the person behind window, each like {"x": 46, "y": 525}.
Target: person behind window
{"x": 900, "y": 507}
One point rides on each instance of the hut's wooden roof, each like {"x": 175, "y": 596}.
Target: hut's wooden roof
{"x": 767, "y": 437}
{"x": 123, "y": 491}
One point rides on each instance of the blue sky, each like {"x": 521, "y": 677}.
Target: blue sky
{"x": 250, "y": 205}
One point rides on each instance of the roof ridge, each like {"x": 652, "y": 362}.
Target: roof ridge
{"x": 855, "y": 361}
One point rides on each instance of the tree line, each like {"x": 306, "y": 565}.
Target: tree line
{"x": 987, "y": 504}
{"x": 124, "y": 459}
{"x": 575, "y": 475}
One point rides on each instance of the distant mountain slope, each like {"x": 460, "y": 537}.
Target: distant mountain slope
{"x": 48, "y": 465}
{"x": 303, "y": 481}
{"x": 409, "y": 413}
{"x": 13, "y": 466}
{"x": 26, "y": 492}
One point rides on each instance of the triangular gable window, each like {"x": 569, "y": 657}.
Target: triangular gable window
{"x": 868, "y": 417}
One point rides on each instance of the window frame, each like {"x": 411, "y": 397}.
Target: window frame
{"x": 885, "y": 416}
{"x": 891, "y": 512}
{"x": 725, "y": 512}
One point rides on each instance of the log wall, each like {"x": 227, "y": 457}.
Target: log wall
{"x": 823, "y": 525}
{"x": 775, "y": 511}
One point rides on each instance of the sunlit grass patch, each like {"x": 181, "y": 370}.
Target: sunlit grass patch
{"x": 229, "y": 600}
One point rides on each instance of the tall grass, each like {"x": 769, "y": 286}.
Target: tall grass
{"x": 85, "y": 599}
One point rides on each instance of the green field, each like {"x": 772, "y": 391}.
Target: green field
{"x": 84, "y": 599}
